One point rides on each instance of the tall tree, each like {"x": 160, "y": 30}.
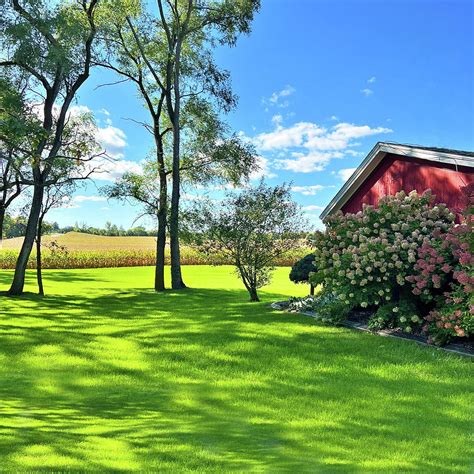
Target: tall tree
{"x": 192, "y": 28}
{"x": 137, "y": 49}
{"x": 132, "y": 51}
{"x": 51, "y": 45}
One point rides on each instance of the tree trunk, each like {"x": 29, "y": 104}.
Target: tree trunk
{"x": 2, "y": 220}
{"x": 161, "y": 236}
{"x": 39, "y": 274}
{"x": 20, "y": 270}
{"x": 253, "y": 294}
{"x": 311, "y": 289}
{"x": 176, "y": 277}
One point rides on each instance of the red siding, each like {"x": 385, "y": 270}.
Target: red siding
{"x": 396, "y": 173}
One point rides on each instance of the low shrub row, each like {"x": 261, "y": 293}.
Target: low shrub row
{"x": 406, "y": 261}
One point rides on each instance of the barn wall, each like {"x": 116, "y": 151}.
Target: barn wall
{"x": 396, "y": 173}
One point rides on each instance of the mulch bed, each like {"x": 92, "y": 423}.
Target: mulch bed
{"x": 358, "y": 320}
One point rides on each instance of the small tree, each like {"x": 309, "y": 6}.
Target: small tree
{"x": 252, "y": 229}
{"x": 301, "y": 271}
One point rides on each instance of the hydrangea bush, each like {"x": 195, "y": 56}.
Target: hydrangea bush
{"x": 366, "y": 257}
{"x": 445, "y": 275}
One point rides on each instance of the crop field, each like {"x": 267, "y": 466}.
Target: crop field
{"x": 98, "y": 251}
{"x": 78, "y": 241}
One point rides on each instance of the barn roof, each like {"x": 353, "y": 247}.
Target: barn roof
{"x": 376, "y": 155}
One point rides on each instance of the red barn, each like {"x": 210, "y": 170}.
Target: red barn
{"x": 391, "y": 167}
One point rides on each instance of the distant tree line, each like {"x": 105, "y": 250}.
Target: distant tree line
{"x": 15, "y": 226}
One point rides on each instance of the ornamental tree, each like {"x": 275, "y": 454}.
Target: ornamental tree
{"x": 302, "y": 269}
{"x": 253, "y": 229}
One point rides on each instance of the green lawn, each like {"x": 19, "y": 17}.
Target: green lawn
{"x": 104, "y": 374}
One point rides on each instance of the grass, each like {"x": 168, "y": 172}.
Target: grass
{"x": 105, "y": 375}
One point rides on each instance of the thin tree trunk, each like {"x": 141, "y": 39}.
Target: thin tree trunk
{"x": 161, "y": 236}
{"x": 2, "y": 220}
{"x": 311, "y": 289}
{"x": 39, "y": 274}
{"x": 18, "y": 282}
{"x": 176, "y": 276}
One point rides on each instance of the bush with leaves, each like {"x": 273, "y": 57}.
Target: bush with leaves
{"x": 253, "y": 229}
{"x": 301, "y": 270}
{"x": 445, "y": 277}
{"x": 366, "y": 257}
{"x": 327, "y": 307}
{"x": 403, "y": 314}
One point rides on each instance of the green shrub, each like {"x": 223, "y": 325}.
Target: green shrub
{"x": 327, "y": 307}
{"x": 403, "y": 315}
{"x": 301, "y": 270}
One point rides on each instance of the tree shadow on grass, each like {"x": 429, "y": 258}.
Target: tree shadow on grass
{"x": 204, "y": 380}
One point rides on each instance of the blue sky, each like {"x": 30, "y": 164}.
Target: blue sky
{"x": 319, "y": 82}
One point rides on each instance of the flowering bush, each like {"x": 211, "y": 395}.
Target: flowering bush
{"x": 366, "y": 257}
{"x": 445, "y": 275}
{"x": 403, "y": 314}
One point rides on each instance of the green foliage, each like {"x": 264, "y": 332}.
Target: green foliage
{"x": 326, "y": 307}
{"x": 253, "y": 229}
{"x": 302, "y": 269}
{"x": 404, "y": 315}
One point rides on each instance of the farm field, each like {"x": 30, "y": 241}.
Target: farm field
{"x": 105, "y": 374}
{"x": 87, "y": 242}
{"x": 98, "y": 251}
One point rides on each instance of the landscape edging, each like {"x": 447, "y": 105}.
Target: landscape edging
{"x": 361, "y": 327}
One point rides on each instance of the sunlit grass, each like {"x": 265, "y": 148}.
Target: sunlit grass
{"x": 104, "y": 374}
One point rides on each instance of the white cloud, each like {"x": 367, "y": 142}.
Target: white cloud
{"x": 371, "y": 80}
{"x": 367, "y": 92}
{"x": 76, "y": 110}
{"x": 264, "y": 170}
{"x": 105, "y": 112}
{"x": 288, "y": 137}
{"x": 110, "y": 170}
{"x": 307, "y": 190}
{"x": 276, "y": 96}
{"x": 277, "y": 119}
{"x": 345, "y": 173}
{"x": 334, "y": 118}
{"x": 113, "y": 140}
{"x": 82, "y": 198}
{"x": 310, "y": 146}
{"x": 313, "y": 207}
{"x": 277, "y": 99}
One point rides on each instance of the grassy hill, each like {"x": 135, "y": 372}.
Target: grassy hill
{"x": 87, "y": 242}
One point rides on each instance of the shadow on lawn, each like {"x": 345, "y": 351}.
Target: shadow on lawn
{"x": 201, "y": 379}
